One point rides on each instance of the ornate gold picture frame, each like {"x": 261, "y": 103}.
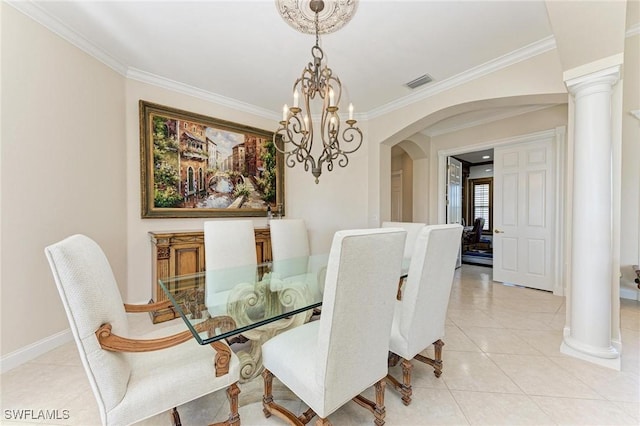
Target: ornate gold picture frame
{"x": 197, "y": 166}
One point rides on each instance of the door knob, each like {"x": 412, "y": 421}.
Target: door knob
{"x": 497, "y": 231}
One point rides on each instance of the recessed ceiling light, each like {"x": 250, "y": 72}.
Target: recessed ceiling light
{"x": 487, "y": 170}
{"x": 486, "y": 157}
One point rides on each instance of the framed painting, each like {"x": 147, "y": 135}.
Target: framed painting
{"x": 197, "y": 166}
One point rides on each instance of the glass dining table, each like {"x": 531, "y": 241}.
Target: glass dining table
{"x": 250, "y": 304}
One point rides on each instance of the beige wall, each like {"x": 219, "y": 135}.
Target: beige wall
{"x": 404, "y": 163}
{"x": 63, "y": 168}
{"x": 587, "y": 31}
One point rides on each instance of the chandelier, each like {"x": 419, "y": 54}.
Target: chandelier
{"x": 297, "y": 129}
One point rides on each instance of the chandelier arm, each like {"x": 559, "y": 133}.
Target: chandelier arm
{"x": 291, "y": 130}
{"x": 349, "y": 136}
{"x": 289, "y": 161}
{"x": 295, "y": 126}
{"x": 287, "y": 136}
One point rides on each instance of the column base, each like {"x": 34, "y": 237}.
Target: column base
{"x": 606, "y": 357}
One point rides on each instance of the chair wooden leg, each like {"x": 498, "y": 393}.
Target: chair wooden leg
{"x": 380, "y": 412}
{"x": 406, "y": 389}
{"x": 308, "y": 415}
{"x": 234, "y": 417}
{"x": 438, "y": 344}
{"x": 392, "y": 359}
{"x": 267, "y": 397}
{"x": 377, "y": 408}
{"x": 175, "y": 417}
{"x": 269, "y": 407}
{"x": 323, "y": 422}
{"x": 437, "y": 362}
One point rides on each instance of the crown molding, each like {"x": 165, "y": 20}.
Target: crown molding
{"x": 524, "y": 53}
{"x": 38, "y": 14}
{"x": 176, "y": 86}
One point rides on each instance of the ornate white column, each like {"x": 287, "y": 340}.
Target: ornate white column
{"x": 588, "y": 336}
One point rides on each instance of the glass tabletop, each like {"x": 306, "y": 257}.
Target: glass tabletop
{"x": 217, "y": 304}
{"x": 222, "y": 303}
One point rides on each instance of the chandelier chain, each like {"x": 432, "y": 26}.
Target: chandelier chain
{"x": 317, "y": 21}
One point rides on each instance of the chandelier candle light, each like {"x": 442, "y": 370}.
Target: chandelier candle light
{"x": 297, "y": 126}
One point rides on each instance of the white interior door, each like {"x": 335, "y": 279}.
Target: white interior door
{"x": 523, "y": 214}
{"x": 454, "y": 196}
{"x": 396, "y": 196}
{"x": 454, "y": 190}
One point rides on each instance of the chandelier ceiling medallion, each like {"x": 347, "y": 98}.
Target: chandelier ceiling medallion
{"x": 297, "y": 126}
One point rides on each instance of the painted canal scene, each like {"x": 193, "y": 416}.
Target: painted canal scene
{"x": 198, "y": 166}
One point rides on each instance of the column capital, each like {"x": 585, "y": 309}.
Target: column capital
{"x": 607, "y": 77}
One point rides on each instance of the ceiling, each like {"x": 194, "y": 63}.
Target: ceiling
{"x": 244, "y": 52}
{"x": 477, "y": 157}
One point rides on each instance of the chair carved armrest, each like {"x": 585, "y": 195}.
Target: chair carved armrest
{"x": 222, "y": 359}
{"x": 223, "y": 323}
{"x": 114, "y": 343}
{"x": 149, "y": 307}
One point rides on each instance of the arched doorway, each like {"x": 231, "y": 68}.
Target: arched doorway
{"x": 409, "y": 169}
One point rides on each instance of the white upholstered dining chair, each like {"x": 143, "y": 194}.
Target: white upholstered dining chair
{"x": 292, "y": 264}
{"x": 133, "y": 379}
{"x": 419, "y": 317}
{"x": 230, "y": 259}
{"x": 289, "y": 249}
{"x": 289, "y": 239}
{"x": 412, "y": 228}
{"x": 328, "y": 362}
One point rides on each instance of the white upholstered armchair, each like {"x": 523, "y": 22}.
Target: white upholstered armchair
{"x": 419, "y": 317}
{"x": 328, "y": 362}
{"x": 133, "y": 379}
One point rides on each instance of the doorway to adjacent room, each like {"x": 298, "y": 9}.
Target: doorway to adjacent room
{"x": 476, "y": 196}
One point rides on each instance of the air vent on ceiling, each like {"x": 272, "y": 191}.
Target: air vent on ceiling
{"x": 419, "y": 81}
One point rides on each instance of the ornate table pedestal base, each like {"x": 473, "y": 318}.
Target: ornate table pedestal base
{"x": 252, "y": 299}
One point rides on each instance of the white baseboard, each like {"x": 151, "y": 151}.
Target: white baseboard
{"x": 612, "y": 363}
{"x": 34, "y": 350}
{"x": 629, "y": 291}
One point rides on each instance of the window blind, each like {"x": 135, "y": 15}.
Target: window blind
{"x": 481, "y": 203}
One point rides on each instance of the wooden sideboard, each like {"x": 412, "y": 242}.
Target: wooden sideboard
{"x": 182, "y": 252}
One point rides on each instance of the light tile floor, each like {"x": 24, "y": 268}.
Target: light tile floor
{"x": 502, "y": 366}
